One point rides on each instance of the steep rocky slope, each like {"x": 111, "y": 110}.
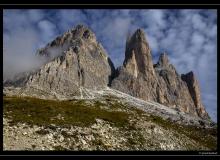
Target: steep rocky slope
{"x": 102, "y": 120}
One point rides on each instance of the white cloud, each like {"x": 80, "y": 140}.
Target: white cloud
{"x": 47, "y": 29}
{"x": 69, "y": 18}
{"x": 35, "y": 15}
{"x": 18, "y": 55}
{"x": 197, "y": 39}
{"x": 198, "y": 22}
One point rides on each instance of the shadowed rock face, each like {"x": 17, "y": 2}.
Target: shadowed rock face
{"x": 159, "y": 82}
{"x": 193, "y": 86}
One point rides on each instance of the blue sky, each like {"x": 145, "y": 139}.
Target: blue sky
{"x": 188, "y": 36}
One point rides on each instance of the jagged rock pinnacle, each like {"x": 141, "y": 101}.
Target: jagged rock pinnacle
{"x": 160, "y": 82}
{"x": 163, "y": 60}
{"x": 139, "y": 46}
{"x": 139, "y": 35}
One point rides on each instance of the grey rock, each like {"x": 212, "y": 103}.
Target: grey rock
{"x": 159, "y": 82}
{"x": 74, "y": 60}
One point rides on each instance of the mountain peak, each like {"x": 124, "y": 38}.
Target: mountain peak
{"x": 190, "y": 74}
{"x": 73, "y": 60}
{"x": 82, "y": 31}
{"x": 71, "y": 38}
{"x": 81, "y": 26}
{"x": 189, "y": 77}
{"x": 138, "y": 47}
{"x": 194, "y": 90}
{"x": 139, "y": 34}
{"x": 163, "y": 60}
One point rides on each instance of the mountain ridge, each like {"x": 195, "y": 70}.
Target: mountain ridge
{"x": 158, "y": 82}
{"x": 79, "y": 60}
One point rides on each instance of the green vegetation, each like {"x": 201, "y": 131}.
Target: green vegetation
{"x": 77, "y": 112}
{"x": 62, "y": 113}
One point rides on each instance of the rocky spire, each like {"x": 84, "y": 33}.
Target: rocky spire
{"x": 160, "y": 82}
{"x": 193, "y": 86}
{"x": 163, "y": 60}
{"x": 139, "y": 46}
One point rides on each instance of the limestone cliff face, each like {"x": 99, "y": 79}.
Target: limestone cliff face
{"x": 138, "y": 49}
{"x": 74, "y": 60}
{"x": 159, "y": 82}
{"x": 137, "y": 76}
{"x": 171, "y": 90}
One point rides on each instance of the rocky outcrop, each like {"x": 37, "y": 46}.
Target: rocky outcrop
{"x": 172, "y": 91}
{"x": 137, "y": 76}
{"x": 193, "y": 86}
{"x": 158, "y": 82}
{"x": 138, "y": 50}
{"x": 74, "y": 60}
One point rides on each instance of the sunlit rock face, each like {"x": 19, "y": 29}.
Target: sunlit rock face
{"x": 158, "y": 82}
{"x": 74, "y": 60}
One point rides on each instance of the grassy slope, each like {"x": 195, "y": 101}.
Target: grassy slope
{"x": 76, "y": 112}
{"x": 46, "y": 112}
